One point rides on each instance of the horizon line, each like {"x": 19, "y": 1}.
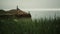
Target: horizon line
{"x": 52, "y": 9}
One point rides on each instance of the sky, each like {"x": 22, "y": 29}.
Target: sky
{"x": 30, "y": 4}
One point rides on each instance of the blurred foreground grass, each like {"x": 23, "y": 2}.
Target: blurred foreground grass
{"x": 26, "y": 26}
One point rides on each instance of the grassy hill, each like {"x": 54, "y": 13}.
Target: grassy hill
{"x": 26, "y": 26}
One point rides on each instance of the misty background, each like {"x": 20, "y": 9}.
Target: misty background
{"x": 37, "y": 8}
{"x": 29, "y": 4}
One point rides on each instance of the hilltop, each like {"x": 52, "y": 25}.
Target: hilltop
{"x": 14, "y": 12}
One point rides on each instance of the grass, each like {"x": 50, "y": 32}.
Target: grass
{"x": 26, "y": 26}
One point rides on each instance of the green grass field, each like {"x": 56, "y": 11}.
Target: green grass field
{"x": 27, "y": 26}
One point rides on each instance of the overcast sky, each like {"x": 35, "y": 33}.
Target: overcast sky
{"x": 29, "y": 4}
